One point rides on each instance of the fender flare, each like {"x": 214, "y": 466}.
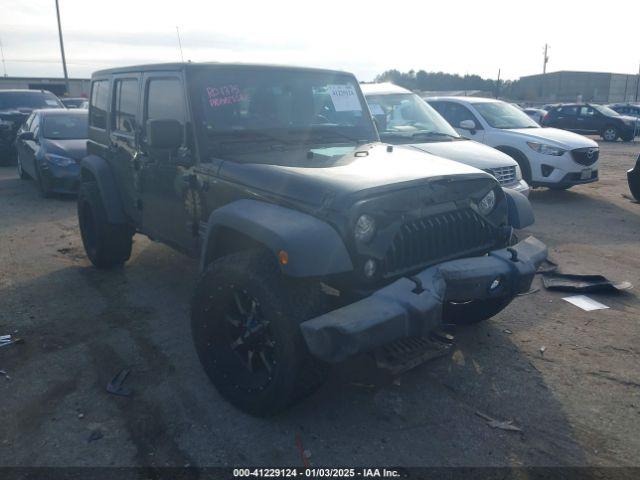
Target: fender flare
{"x": 519, "y": 209}
{"x": 100, "y": 170}
{"x": 313, "y": 246}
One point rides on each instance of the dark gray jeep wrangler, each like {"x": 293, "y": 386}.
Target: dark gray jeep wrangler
{"x": 316, "y": 241}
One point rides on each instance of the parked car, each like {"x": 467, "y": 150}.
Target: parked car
{"x": 316, "y": 241}
{"x": 536, "y": 114}
{"x": 591, "y": 119}
{"x": 50, "y": 145}
{"x": 73, "y": 102}
{"x": 15, "y": 107}
{"x": 403, "y": 118}
{"x": 548, "y": 157}
{"x": 629, "y": 110}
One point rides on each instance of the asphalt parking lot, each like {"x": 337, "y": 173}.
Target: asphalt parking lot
{"x": 577, "y": 403}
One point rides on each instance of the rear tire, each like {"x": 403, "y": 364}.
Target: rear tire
{"x": 474, "y": 312}
{"x": 21, "y": 173}
{"x": 610, "y": 134}
{"x": 107, "y": 244}
{"x": 245, "y": 323}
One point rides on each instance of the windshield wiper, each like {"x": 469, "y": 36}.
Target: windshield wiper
{"x": 241, "y": 136}
{"x": 333, "y": 134}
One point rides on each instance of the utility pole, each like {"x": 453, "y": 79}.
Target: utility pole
{"x": 498, "y": 85}
{"x": 180, "y": 43}
{"x": 64, "y": 62}
{"x": 4, "y": 65}
{"x": 544, "y": 70}
{"x": 638, "y": 83}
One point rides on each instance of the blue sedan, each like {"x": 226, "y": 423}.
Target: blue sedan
{"x": 50, "y": 145}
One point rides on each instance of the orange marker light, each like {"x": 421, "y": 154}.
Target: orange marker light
{"x": 283, "y": 257}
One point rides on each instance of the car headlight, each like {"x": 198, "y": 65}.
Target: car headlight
{"x": 546, "y": 149}
{"x": 518, "y": 173}
{"x": 365, "y": 228}
{"x": 487, "y": 204}
{"x": 59, "y": 160}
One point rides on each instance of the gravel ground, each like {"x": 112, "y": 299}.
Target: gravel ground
{"x": 578, "y": 403}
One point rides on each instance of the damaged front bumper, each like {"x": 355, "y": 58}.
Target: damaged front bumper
{"x": 412, "y": 307}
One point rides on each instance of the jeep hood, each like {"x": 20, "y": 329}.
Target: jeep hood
{"x": 555, "y": 137}
{"x": 469, "y": 152}
{"x": 364, "y": 169}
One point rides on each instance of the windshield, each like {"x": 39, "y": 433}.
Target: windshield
{"x": 407, "y": 116}
{"x": 606, "y": 111}
{"x": 15, "y": 100}
{"x": 247, "y": 109}
{"x": 504, "y": 115}
{"x": 65, "y": 127}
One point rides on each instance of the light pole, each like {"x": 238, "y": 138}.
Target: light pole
{"x": 64, "y": 62}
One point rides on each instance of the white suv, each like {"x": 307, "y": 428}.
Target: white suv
{"x": 548, "y": 157}
{"x": 403, "y": 118}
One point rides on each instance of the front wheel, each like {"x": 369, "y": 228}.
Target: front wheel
{"x": 610, "y": 134}
{"x": 475, "y": 311}
{"x": 245, "y": 322}
{"x": 107, "y": 245}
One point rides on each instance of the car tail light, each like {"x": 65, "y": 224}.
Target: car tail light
{"x": 544, "y": 118}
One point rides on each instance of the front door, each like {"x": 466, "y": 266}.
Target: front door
{"x": 456, "y": 113}
{"x": 566, "y": 118}
{"x": 588, "y": 120}
{"x": 123, "y": 137}
{"x": 166, "y": 177}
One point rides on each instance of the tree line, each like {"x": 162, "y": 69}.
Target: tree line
{"x": 422, "y": 80}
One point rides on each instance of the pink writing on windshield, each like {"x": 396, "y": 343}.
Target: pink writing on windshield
{"x": 225, "y": 95}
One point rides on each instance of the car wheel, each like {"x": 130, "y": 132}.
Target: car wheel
{"x": 245, "y": 323}
{"x": 42, "y": 187}
{"x": 475, "y": 311}
{"x": 628, "y": 138}
{"x": 107, "y": 244}
{"x": 521, "y": 160}
{"x": 610, "y": 134}
{"x": 21, "y": 173}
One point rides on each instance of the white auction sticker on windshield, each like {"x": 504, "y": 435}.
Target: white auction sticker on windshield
{"x": 344, "y": 98}
{"x": 53, "y": 103}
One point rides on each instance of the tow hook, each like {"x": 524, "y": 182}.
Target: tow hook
{"x": 514, "y": 254}
{"x": 419, "y": 289}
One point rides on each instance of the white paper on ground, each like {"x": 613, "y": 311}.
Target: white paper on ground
{"x": 585, "y": 302}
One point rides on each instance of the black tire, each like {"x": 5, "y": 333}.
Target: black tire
{"x": 107, "y": 245}
{"x": 474, "y": 312}
{"x": 42, "y": 187}
{"x": 267, "y": 371}
{"x": 21, "y": 173}
{"x": 628, "y": 138}
{"x": 560, "y": 187}
{"x": 610, "y": 133}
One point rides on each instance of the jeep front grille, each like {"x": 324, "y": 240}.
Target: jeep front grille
{"x": 585, "y": 156}
{"x": 437, "y": 238}
{"x": 504, "y": 175}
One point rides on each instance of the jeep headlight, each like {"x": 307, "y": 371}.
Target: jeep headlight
{"x": 545, "y": 149}
{"x": 59, "y": 160}
{"x": 487, "y": 203}
{"x": 518, "y": 173}
{"x": 365, "y": 228}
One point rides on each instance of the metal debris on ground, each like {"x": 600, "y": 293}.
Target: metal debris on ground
{"x": 506, "y": 330}
{"x": 506, "y": 425}
{"x": 403, "y": 355}
{"x": 585, "y": 303}
{"x": 550, "y": 267}
{"x": 9, "y": 340}
{"x": 582, "y": 283}
{"x": 533, "y": 290}
{"x": 116, "y": 385}
{"x": 542, "y": 350}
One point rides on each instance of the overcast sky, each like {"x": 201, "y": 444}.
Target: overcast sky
{"x": 363, "y": 37}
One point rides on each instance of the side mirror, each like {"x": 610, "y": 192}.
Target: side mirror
{"x": 28, "y": 135}
{"x": 468, "y": 125}
{"x": 164, "y": 133}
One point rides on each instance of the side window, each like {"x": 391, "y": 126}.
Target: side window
{"x": 125, "y": 105}
{"x": 458, "y": 113}
{"x": 165, "y": 99}
{"x": 99, "y": 103}
{"x": 35, "y": 125}
{"x": 567, "y": 111}
{"x": 587, "y": 112}
{"x": 27, "y": 123}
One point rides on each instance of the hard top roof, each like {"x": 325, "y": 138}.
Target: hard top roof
{"x": 203, "y": 65}
{"x": 382, "y": 88}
